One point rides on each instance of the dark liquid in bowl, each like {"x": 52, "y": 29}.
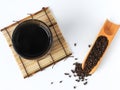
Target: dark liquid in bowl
{"x": 31, "y": 40}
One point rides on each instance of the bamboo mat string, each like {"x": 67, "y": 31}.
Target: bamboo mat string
{"x": 31, "y": 15}
{"x": 52, "y": 60}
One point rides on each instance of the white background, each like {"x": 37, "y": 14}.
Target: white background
{"x": 80, "y": 22}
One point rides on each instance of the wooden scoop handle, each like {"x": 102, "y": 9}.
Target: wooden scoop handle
{"x": 108, "y": 30}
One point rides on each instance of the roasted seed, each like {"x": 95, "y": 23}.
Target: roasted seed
{"x": 60, "y": 81}
{"x": 85, "y": 83}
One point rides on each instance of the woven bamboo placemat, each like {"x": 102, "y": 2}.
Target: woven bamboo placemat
{"x": 58, "y": 51}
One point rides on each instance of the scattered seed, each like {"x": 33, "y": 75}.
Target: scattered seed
{"x": 73, "y": 71}
{"x": 60, "y": 81}
{"x": 80, "y": 73}
{"x": 77, "y": 80}
{"x": 76, "y": 58}
{"x": 82, "y": 79}
{"x": 75, "y": 75}
{"x": 85, "y": 83}
{"x": 51, "y": 82}
{"x": 75, "y": 44}
{"x": 89, "y": 46}
{"x": 74, "y": 87}
{"x": 70, "y": 76}
{"x": 66, "y": 73}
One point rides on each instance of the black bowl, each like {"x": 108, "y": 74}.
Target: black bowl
{"x": 32, "y": 38}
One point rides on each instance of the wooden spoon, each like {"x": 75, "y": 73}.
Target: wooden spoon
{"x": 108, "y": 30}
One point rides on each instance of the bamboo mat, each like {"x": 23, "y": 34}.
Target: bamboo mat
{"x": 58, "y": 51}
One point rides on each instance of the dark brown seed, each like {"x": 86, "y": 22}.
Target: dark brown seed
{"x": 76, "y": 58}
{"x": 73, "y": 71}
{"x": 77, "y": 80}
{"x": 74, "y": 87}
{"x": 85, "y": 83}
{"x": 79, "y": 72}
{"x": 51, "y": 82}
{"x": 66, "y": 73}
{"x": 82, "y": 79}
{"x": 75, "y": 44}
{"x": 60, "y": 81}
{"x": 70, "y": 76}
{"x": 75, "y": 75}
{"x": 89, "y": 46}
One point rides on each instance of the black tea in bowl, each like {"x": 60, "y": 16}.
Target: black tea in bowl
{"x": 32, "y": 38}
